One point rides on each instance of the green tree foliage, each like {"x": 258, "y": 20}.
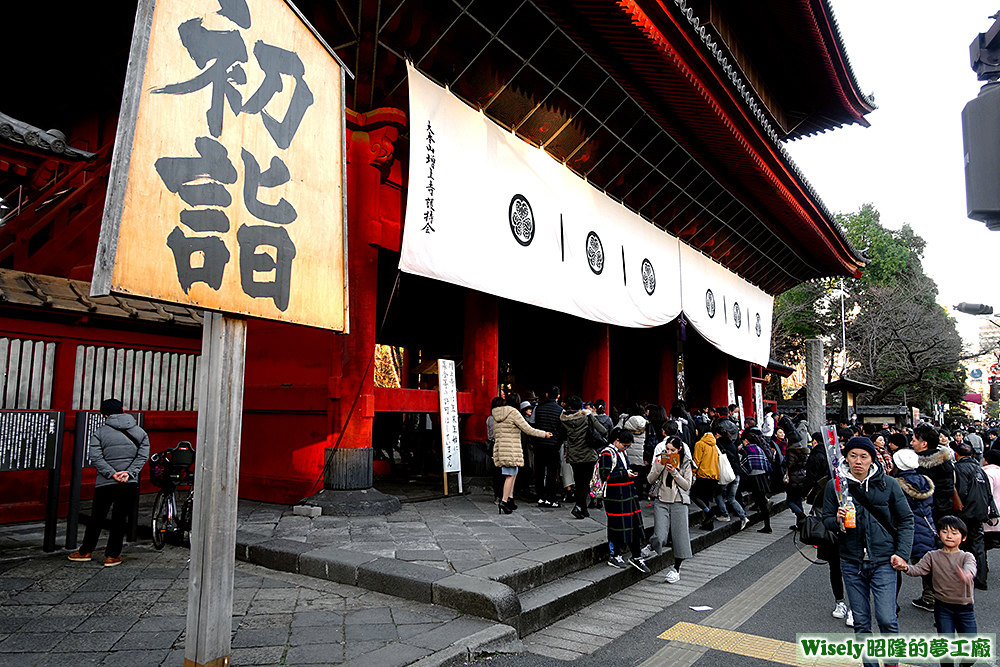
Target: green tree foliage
{"x": 898, "y": 337}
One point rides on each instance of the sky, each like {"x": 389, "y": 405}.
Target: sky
{"x": 914, "y": 57}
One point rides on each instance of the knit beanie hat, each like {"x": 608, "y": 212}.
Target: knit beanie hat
{"x": 635, "y": 423}
{"x": 860, "y": 442}
{"x": 906, "y": 459}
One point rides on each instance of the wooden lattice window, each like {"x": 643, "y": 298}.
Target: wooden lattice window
{"x": 140, "y": 379}
{"x": 28, "y": 367}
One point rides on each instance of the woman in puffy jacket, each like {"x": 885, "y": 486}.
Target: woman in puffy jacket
{"x": 706, "y": 483}
{"x": 507, "y": 453}
{"x": 919, "y": 490}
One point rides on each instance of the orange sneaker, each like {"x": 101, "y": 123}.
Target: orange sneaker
{"x": 79, "y": 557}
{"x": 111, "y": 562}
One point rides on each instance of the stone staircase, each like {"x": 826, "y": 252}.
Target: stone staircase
{"x": 553, "y": 582}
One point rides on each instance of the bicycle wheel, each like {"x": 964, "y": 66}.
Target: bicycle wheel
{"x": 161, "y": 517}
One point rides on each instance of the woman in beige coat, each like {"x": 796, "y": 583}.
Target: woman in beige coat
{"x": 507, "y": 453}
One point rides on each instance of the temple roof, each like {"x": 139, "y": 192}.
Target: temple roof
{"x": 675, "y": 108}
{"x": 18, "y": 288}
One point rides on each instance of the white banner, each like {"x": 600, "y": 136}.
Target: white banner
{"x": 487, "y": 211}
{"x": 729, "y": 312}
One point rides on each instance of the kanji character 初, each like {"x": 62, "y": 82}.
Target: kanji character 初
{"x": 225, "y": 49}
{"x": 275, "y": 62}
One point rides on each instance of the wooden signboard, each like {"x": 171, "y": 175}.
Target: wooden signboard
{"x": 28, "y": 440}
{"x": 31, "y": 440}
{"x": 227, "y": 194}
{"x": 451, "y": 455}
{"x": 227, "y": 188}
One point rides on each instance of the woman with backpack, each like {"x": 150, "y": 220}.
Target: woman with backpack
{"x": 621, "y": 503}
{"x": 580, "y": 452}
{"x": 755, "y": 465}
{"x": 671, "y": 474}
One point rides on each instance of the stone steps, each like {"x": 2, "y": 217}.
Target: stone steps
{"x": 554, "y": 582}
{"x": 528, "y": 591}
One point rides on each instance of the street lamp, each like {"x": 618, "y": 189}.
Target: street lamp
{"x": 974, "y": 308}
{"x": 983, "y": 309}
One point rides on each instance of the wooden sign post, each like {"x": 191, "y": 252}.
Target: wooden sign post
{"x": 227, "y": 194}
{"x": 213, "y": 530}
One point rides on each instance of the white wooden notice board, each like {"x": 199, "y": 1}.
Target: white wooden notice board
{"x": 448, "y": 398}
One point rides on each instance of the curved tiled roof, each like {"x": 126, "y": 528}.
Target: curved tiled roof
{"x": 18, "y": 288}
{"x": 745, "y": 91}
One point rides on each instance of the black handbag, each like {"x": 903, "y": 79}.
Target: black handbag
{"x": 814, "y": 532}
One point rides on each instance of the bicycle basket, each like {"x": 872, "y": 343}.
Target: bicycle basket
{"x": 159, "y": 473}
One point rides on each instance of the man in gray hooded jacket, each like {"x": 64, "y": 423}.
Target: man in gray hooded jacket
{"x": 118, "y": 450}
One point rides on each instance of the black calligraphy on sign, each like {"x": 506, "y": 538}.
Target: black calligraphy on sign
{"x": 265, "y": 250}
{"x": 225, "y": 49}
{"x": 431, "y": 161}
{"x": 275, "y": 62}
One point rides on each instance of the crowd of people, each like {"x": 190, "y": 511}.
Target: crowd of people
{"x": 643, "y": 455}
{"x": 920, "y": 501}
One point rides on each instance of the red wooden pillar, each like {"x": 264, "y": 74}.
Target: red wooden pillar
{"x": 596, "y": 364}
{"x": 668, "y": 365}
{"x": 739, "y": 370}
{"x": 480, "y": 359}
{"x": 718, "y": 390}
{"x": 370, "y": 140}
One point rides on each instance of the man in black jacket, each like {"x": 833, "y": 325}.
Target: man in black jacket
{"x": 974, "y": 491}
{"x": 547, "y": 416}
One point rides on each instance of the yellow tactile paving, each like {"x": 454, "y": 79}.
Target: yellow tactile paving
{"x": 740, "y": 643}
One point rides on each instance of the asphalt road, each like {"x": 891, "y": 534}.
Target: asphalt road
{"x": 803, "y": 606}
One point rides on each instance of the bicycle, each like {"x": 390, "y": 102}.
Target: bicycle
{"x": 170, "y": 470}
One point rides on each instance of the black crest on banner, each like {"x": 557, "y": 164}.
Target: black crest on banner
{"x": 522, "y": 220}
{"x": 710, "y": 303}
{"x": 595, "y": 253}
{"x": 648, "y": 277}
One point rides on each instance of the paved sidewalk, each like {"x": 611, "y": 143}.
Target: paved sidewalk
{"x": 457, "y": 533}
{"x": 603, "y": 622}
{"x": 55, "y": 612}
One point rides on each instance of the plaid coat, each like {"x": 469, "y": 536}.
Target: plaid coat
{"x": 620, "y": 500}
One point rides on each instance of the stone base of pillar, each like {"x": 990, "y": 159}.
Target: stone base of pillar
{"x": 348, "y": 469}
{"x": 357, "y": 502}
{"x": 347, "y": 483}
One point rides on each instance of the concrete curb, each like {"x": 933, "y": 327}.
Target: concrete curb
{"x": 497, "y": 639}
